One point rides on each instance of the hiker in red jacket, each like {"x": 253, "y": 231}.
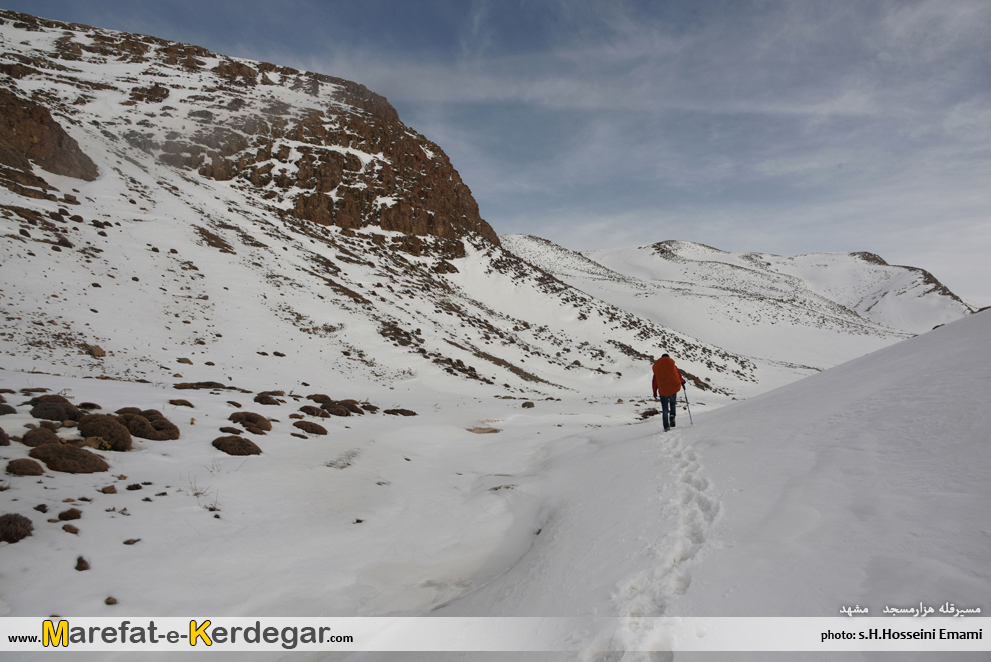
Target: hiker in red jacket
{"x": 666, "y": 383}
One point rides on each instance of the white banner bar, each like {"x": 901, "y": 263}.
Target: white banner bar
{"x": 587, "y": 635}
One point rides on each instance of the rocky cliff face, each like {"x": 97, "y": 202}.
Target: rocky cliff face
{"x": 306, "y": 145}
{"x": 29, "y": 134}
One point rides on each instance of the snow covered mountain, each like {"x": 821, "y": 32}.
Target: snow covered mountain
{"x": 178, "y": 210}
{"x": 814, "y": 310}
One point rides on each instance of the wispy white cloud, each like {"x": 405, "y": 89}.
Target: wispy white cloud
{"x": 475, "y": 36}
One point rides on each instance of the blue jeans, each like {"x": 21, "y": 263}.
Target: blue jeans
{"x": 668, "y": 402}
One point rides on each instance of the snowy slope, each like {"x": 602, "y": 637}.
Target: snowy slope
{"x": 863, "y": 485}
{"x": 180, "y": 274}
{"x": 812, "y": 310}
{"x": 905, "y": 298}
{"x": 384, "y": 514}
{"x": 913, "y": 300}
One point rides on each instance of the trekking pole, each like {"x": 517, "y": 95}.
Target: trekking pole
{"x": 688, "y": 405}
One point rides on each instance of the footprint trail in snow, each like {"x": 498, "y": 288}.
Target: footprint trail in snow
{"x": 692, "y": 507}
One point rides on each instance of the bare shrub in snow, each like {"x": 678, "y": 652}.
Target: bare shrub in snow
{"x": 68, "y": 459}
{"x": 107, "y": 428}
{"x": 150, "y": 424}
{"x": 39, "y": 437}
{"x": 335, "y": 409}
{"x": 24, "y": 467}
{"x": 311, "y": 427}
{"x": 351, "y": 406}
{"x": 53, "y": 411}
{"x": 14, "y": 527}
{"x": 49, "y": 399}
{"x": 247, "y": 418}
{"x": 70, "y": 514}
{"x": 236, "y": 446}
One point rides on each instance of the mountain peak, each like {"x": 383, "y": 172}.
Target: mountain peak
{"x": 870, "y": 258}
{"x": 804, "y": 312}
{"x": 675, "y": 248}
{"x": 311, "y": 146}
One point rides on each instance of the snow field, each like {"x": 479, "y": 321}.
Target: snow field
{"x": 865, "y": 484}
{"x": 442, "y": 510}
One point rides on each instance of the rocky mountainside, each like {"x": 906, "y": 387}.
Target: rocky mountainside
{"x": 813, "y": 310}
{"x": 168, "y": 211}
{"x": 306, "y": 145}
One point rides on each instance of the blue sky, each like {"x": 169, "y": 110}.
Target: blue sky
{"x": 781, "y": 127}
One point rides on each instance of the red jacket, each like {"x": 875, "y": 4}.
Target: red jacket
{"x": 667, "y": 380}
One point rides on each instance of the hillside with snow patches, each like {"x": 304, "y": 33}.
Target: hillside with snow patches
{"x": 813, "y": 311}
{"x": 177, "y": 268}
{"x": 441, "y": 420}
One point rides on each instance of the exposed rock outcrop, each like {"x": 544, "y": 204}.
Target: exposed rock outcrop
{"x": 337, "y": 154}
{"x": 28, "y": 133}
